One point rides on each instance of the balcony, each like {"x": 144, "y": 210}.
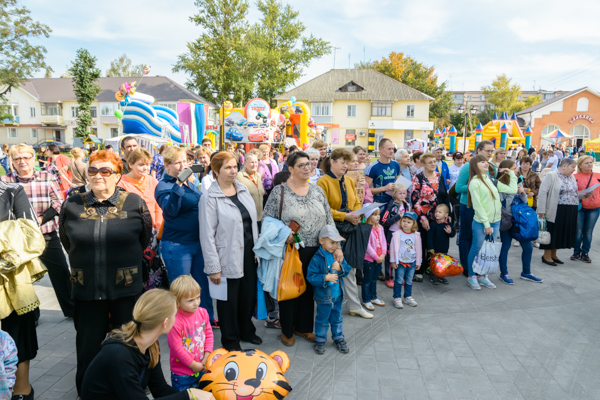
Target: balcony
{"x": 10, "y": 122}
{"x": 52, "y": 120}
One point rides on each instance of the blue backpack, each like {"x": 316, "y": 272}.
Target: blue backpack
{"x": 525, "y": 222}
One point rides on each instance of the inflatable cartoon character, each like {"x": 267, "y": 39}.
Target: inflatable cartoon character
{"x": 246, "y": 374}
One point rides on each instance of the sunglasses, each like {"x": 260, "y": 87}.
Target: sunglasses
{"x": 104, "y": 171}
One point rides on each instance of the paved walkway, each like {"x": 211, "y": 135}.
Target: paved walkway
{"x": 527, "y": 341}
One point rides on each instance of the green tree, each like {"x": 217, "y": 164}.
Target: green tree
{"x": 502, "y": 94}
{"x": 122, "y": 66}
{"x": 85, "y": 74}
{"x": 486, "y": 115}
{"x": 19, "y": 58}
{"x": 458, "y": 121}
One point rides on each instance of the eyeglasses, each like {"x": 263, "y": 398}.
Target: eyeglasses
{"x": 19, "y": 159}
{"x": 104, "y": 171}
{"x": 303, "y": 166}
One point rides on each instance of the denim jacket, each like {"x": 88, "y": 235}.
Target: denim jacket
{"x": 317, "y": 269}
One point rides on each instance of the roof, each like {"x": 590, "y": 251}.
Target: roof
{"x": 556, "y": 99}
{"x": 52, "y": 90}
{"x": 377, "y": 87}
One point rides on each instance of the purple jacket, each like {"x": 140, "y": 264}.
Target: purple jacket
{"x": 267, "y": 175}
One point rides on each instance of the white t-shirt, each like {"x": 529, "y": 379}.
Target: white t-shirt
{"x": 554, "y": 161}
{"x": 454, "y": 170}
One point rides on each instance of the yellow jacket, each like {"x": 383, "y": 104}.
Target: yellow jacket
{"x": 331, "y": 187}
{"x": 21, "y": 243}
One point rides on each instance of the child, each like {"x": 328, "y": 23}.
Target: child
{"x": 324, "y": 274}
{"x": 438, "y": 237}
{"x": 405, "y": 257}
{"x": 392, "y": 213}
{"x": 191, "y": 338}
{"x": 8, "y": 365}
{"x": 376, "y": 250}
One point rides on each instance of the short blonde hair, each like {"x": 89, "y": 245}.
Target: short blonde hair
{"x": 184, "y": 285}
{"x": 398, "y": 187}
{"x": 172, "y": 153}
{"x": 580, "y": 161}
{"x": 203, "y": 150}
{"x": 76, "y": 152}
{"x": 139, "y": 154}
{"x": 319, "y": 144}
{"x": 264, "y": 147}
{"x": 21, "y": 148}
{"x": 255, "y": 152}
{"x": 426, "y": 157}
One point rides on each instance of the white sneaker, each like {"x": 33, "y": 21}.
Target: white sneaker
{"x": 484, "y": 281}
{"x": 361, "y": 313}
{"x": 472, "y": 283}
{"x": 536, "y": 245}
{"x": 516, "y": 243}
{"x": 398, "y": 303}
{"x": 409, "y": 301}
{"x": 378, "y": 302}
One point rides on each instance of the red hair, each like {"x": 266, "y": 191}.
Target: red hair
{"x": 108, "y": 156}
{"x": 218, "y": 160}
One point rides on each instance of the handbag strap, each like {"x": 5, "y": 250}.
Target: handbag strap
{"x": 281, "y": 202}
{"x": 591, "y": 176}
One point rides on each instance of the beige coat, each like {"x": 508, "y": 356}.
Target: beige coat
{"x": 548, "y": 195}
{"x": 256, "y": 191}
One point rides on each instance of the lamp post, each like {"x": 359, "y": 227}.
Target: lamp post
{"x": 215, "y": 94}
{"x": 468, "y": 113}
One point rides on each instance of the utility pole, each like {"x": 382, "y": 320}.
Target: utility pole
{"x": 348, "y": 60}
{"x": 334, "y": 50}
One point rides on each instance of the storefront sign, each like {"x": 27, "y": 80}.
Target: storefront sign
{"x": 581, "y": 116}
{"x": 350, "y": 136}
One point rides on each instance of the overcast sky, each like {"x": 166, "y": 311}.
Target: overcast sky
{"x": 554, "y": 44}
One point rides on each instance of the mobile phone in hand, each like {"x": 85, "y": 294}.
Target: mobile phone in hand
{"x": 184, "y": 175}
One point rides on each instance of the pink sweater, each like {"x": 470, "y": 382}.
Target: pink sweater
{"x": 377, "y": 234}
{"x": 406, "y": 248}
{"x": 189, "y": 338}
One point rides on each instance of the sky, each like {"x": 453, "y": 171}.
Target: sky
{"x": 549, "y": 44}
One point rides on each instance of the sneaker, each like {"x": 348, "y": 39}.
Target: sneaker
{"x": 506, "y": 279}
{"x": 342, "y": 346}
{"x": 585, "y": 258}
{"x": 418, "y": 278}
{"x": 516, "y": 243}
{"x": 484, "y": 281}
{"x": 389, "y": 283}
{"x": 369, "y": 306}
{"x": 444, "y": 281}
{"x": 378, "y": 302}
{"x": 320, "y": 348}
{"x": 409, "y": 301}
{"x": 575, "y": 257}
{"x": 532, "y": 278}
{"x": 536, "y": 245}
{"x": 272, "y": 323}
{"x": 381, "y": 277}
{"x": 398, "y": 303}
{"x": 472, "y": 283}
{"x": 215, "y": 324}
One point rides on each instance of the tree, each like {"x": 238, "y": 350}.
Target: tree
{"x": 486, "y": 115}
{"x": 19, "y": 58}
{"x": 85, "y": 74}
{"x": 507, "y": 97}
{"x": 122, "y": 66}
{"x": 458, "y": 121}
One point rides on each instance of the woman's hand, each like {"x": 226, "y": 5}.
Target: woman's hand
{"x": 200, "y": 395}
{"x": 530, "y": 194}
{"x": 290, "y": 238}
{"x": 425, "y": 224}
{"x": 520, "y": 190}
{"x": 488, "y": 230}
{"x": 541, "y": 215}
{"x": 353, "y": 219}
{"x": 215, "y": 278}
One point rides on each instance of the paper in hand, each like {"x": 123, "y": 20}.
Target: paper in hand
{"x": 590, "y": 189}
{"x": 218, "y": 292}
{"x": 401, "y": 180}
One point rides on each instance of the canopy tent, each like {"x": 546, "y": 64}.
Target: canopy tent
{"x": 556, "y": 134}
{"x": 149, "y": 142}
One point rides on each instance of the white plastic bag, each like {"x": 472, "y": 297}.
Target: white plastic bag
{"x": 487, "y": 261}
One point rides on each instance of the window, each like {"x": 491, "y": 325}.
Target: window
{"x": 408, "y": 134}
{"x": 410, "y": 111}
{"x": 350, "y": 137}
{"x": 94, "y": 131}
{"x": 582, "y": 104}
{"x": 321, "y": 109}
{"x": 381, "y": 109}
{"x": 172, "y": 106}
{"x": 580, "y": 132}
{"x": 74, "y": 112}
{"x": 114, "y": 132}
{"x": 34, "y": 132}
{"x": 108, "y": 109}
{"x": 51, "y": 109}
{"x": 32, "y": 112}
{"x": 94, "y": 111}
{"x": 469, "y": 97}
{"x": 482, "y": 97}
{"x": 481, "y": 108}
{"x": 351, "y": 111}
{"x": 12, "y": 133}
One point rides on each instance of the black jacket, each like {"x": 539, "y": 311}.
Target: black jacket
{"x": 437, "y": 238}
{"x": 14, "y": 202}
{"x": 120, "y": 371}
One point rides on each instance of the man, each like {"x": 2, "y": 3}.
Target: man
{"x": 45, "y": 197}
{"x": 559, "y": 154}
{"x": 465, "y": 237}
{"x": 552, "y": 160}
{"x": 531, "y": 150}
{"x": 206, "y": 142}
{"x": 382, "y": 174}
{"x": 128, "y": 144}
{"x": 442, "y": 167}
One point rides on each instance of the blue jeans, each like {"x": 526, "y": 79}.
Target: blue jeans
{"x": 187, "y": 259}
{"x": 329, "y": 314}
{"x": 586, "y": 220}
{"x": 525, "y": 255}
{"x": 185, "y": 382}
{"x": 465, "y": 233}
{"x": 478, "y": 238}
{"x": 406, "y": 275}
{"x": 369, "y": 283}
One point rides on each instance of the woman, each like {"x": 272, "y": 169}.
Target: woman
{"x": 426, "y": 194}
{"x": 531, "y": 181}
{"x": 250, "y": 178}
{"x": 342, "y": 198}
{"x": 203, "y": 155}
{"x": 407, "y": 170}
{"x": 307, "y": 205}
{"x": 314, "y": 157}
{"x": 416, "y": 158}
{"x": 508, "y": 189}
{"x": 208, "y": 178}
{"x": 267, "y": 168}
{"x": 590, "y": 208}
{"x": 483, "y": 197}
{"x": 358, "y": 176}
{"x": 105, "y": 232}
{"x": 497, "y": 158}
{"x": 139, "y": 181}
{"x": 76, "y": 170}
{"x": 180, "y": 242}
{"x": 522, "y": 153}
{"x": 558, "y": 201}
{"x": 129, "y": 360}
{"x": 21, "y": 328}
{"x": 158, "y": 163}
{"x": 362, "y": 157}
{"x": 228, "y": 232}
{"x": 58, "y": 161}
{"x": 42, "y": 159}
{"x": 458, "y": 161}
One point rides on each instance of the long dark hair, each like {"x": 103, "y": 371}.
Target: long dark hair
{"x": 475, "y": 172}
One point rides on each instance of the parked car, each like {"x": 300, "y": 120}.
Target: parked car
{"x": 64, "y": 148}
{"x": 234, "y": 134}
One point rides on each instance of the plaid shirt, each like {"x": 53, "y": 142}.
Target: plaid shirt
{"x": 43, "y": 192}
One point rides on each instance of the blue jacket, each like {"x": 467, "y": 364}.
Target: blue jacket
{"x": 445, "y": 173}
{"x": 317, "y": 269}
{"x": 270, "y": 249}
{"x": 180, "y": 210}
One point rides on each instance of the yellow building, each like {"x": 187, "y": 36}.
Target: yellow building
{"x": 362, "y": 106}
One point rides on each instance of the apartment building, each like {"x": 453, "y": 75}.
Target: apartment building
{"x": 477, "y": 98}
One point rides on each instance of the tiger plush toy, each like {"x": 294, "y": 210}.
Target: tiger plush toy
{"x": 246, "y": 375}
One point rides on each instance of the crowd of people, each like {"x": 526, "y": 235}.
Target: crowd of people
{"x": 229, "y": 220}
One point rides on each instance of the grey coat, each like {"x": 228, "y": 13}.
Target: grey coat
{"x": 222, "y": 230}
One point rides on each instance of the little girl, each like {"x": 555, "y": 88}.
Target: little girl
{"x": 405, "y": 256}
{"x": 376, "y": 250}
{"x": 392, "y": 213}
{"x": 191, "y": 338}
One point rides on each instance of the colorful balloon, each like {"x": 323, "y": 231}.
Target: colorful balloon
{"x": 442, "y": 265}
{"x": 119, "y": 114}
{"x": 146, "y": 69}
{"x": 119, "y": 96}
{"x": 292, "y": 99}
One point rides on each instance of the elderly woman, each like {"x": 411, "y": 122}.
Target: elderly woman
{"x": 139, "y": 181}
{"x": 267, "y": 168}
{"x": 105, "y": 232}
{"x": 228, "y": 233}
{"x": 558, "y": 201}
{"x": 590, "y": 208}
{"x": 252, "y": 180}
{"x": 76, "y": 170}
{"x": 407, "y": 170}
{"x": 314, "y": 157}
{"x": 307, "y": 205}
{"x": 180, "y": 241}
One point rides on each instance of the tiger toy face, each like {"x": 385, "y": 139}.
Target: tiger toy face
{"x": 246, "y": 375}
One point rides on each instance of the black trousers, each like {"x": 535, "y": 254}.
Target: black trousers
{"x": 299, "y": 314}
{"x": 54, "y": 259}
{"x": 235, "y": 314}
{"x": 424, "y": 246}
{"x": 92, "y": 321}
